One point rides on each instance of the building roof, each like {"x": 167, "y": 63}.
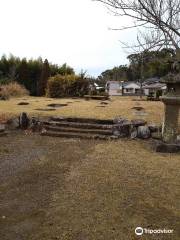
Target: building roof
{"x": 114, "y": 82}
{"x": 154, "y": 86}
{"x": 151, "y": 80}
{"x": 126, "y": 84}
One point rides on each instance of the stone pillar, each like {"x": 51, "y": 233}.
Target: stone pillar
{"x": 171, "y": 120}
{"x": 172, "y": 109}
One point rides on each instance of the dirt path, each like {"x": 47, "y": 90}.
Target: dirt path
{"x": 32, "y": 169}
{"x": 69, "y": 189}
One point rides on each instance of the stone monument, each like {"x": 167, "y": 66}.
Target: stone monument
{"x": 171, "y": 100}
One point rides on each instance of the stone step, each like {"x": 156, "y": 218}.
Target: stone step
{"x": 78, "y": 125}
{"x": 78, "y": 130}
{"x": 82, "y": 120}
{"x": 106, "y": 122}
{"x": 75, "y": 135}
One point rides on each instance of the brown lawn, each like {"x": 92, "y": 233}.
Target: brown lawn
{"x": 118, "y": 106}
{"x": 72, "y": 189}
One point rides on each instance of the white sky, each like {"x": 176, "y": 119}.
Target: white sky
{"x": 71, "y": 31}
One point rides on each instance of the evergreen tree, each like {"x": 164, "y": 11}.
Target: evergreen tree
{"x": 23, "y": 73}
{"x": 45, "y": 74}
{"x": 31, "y": 73}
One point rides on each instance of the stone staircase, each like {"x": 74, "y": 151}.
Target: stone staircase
{"x": 78, "y": 128}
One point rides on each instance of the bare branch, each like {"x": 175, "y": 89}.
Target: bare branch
{"x": 161, "y": 16}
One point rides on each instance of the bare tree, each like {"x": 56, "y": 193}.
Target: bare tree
{"x": 140, "y": 49}
{"x": 160, "y": 18}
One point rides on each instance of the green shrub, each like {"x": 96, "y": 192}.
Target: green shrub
{"x": 67, "y": 86}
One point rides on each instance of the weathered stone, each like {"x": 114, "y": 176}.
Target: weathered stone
{"x": 35, "y": 125}
{"x": 116, "y": 132}
{"x": 172, "y": 104}
{"x": 143, "y": 132}
{"x": 167, "y": 148}
{"x": 13, "y": 123}
{"x": 121, "y": 127}
{"x": 122, "y": 130}
{"x": 23, "y": 121}
{"x": 134, "y": 133}
{"x": 138, "y": 122}
{"x": 171, "y": 128}
{"x": 154, "y": 128}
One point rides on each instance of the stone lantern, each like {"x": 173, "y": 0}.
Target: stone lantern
{"x": 172, "y": 105}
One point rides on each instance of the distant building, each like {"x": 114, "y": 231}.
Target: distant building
{"x": 131, "y": 88}
{"x": 116, "y": 88}
{"x": 150, "y": 87}
{"x": 153, "y": 87}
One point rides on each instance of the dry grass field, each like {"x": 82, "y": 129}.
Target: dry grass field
{"x": 70, "y": 189}
{"x": 118, "y": 106}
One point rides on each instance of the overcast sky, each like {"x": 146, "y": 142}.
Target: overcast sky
{"x": 72, "y": 31}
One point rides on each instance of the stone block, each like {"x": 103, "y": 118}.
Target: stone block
{"x": 167, "y": 148}
{"x": 154, "y": 128}
{"x": 143, "y": 132}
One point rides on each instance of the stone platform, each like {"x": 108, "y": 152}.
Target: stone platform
{"x": 85, "y": 128}
{"x": 162, "y": 147}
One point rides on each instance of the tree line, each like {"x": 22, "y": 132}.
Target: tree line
{"x": 153, "y": 63}
{"x": 33, "y": 73}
